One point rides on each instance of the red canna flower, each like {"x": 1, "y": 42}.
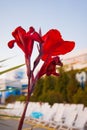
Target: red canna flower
{"x": 49, "y": 67}
{"x": 50, "y": 46}
{"x": 18, "y": 35}
{"x": 25, "y": 40}
{"x": 54, "y": 44}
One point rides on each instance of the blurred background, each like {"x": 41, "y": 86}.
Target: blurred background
{"x": 69, "y": 17}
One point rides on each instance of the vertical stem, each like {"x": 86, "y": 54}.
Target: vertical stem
{"x": 25, "y": 108}
{"x": 28, "y": 95}
{"x": 22, "y": 117}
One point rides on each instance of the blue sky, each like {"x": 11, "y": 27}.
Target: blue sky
{"x": 68, "y": 16}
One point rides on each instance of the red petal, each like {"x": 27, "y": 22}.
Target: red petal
{"x": 52, "y": 34}
{"x": 54, "y": 44}
{"x": 31, "y": 36}
{"x": 11, "y": 43}
{"x": 52, "y": 39}
{"x": 65, "y": 47}
{"x": 16, "y": 32}
{"x": 50, "y": 69}
{"x": 19, "y": 35}
{"x": 36, "y": 37}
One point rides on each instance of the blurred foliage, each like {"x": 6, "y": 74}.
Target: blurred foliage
{"x": 10, "y": 69}
{"x": 62, "y": 89}
{"x": 13, "y": 98}
{"x": 10, "y": 99}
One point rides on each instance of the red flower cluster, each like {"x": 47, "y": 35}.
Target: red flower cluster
{"x": 51, "y": 45}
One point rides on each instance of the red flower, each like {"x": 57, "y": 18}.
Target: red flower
{"x": 54, "y": 44}
{"x": 49, "y": 67}
{"x": 25, "y": 39}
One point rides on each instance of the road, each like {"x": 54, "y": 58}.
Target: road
{"x": 12, "y": 124}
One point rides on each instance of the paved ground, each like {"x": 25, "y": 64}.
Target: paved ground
{"x": 7, "y": 123}
{"x": 10, "y": 123}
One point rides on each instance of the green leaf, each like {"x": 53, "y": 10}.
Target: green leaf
{"x": 6, "y": 59}
{"x": 10, "y": 69}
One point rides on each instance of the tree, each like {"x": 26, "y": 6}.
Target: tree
{"x": 62, "y": 82}
{"x": 81, "y": 96}
{"x": 72, "y": 86}
{"x": 38, "y": 90}
{"x": 49, "y": 84}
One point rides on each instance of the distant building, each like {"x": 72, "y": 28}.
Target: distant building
{"x": 13, "y": 83}
{"x": 76, "y": 62}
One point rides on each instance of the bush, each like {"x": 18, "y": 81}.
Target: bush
{"x": 10, "y": 99}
